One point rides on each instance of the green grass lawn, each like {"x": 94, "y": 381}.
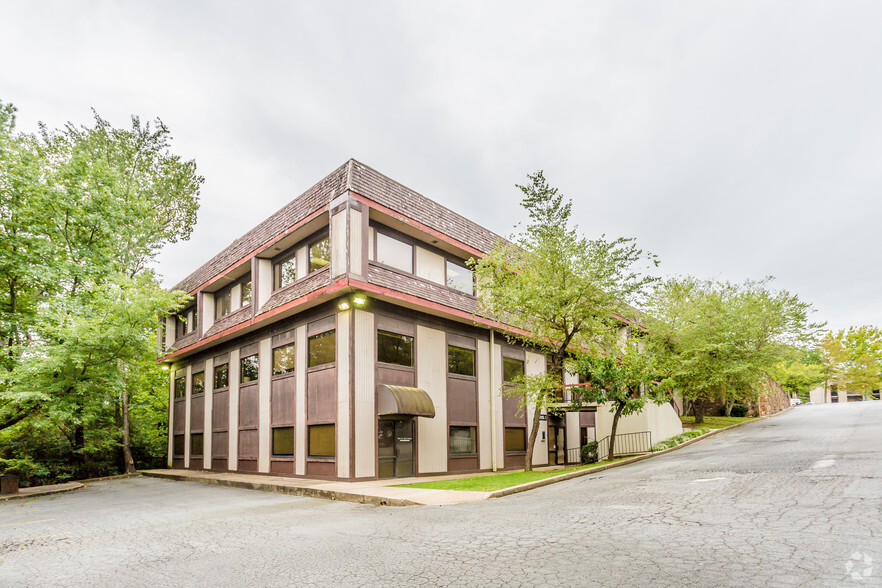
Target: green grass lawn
{"x": 491, "y": 483}
{"x": 714, "y": 422}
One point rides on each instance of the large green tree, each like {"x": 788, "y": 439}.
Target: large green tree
{"x": 558, "y": 289}
{"x": 852, "y": 359}
{"x": 83, "y": 211}
{"x": 716, "y": 340}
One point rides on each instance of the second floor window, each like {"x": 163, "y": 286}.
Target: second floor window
{"x": 322, "y": 349}
{"x": 460, "y": 361}
{"x": 246, "y": 293}
{"x": 222, "y": 302}
{"x": 285, "y": 272}
{"x": 460, "y": 278}
{"x": 511, "y": 369}
{"x": 319, "y": 254}
{"x": 395, "y": 349}
{"x": 394, "y": 253}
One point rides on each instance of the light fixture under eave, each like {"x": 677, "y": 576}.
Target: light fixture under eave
{"x": 359, "y": 300}
{"x": 343, "y": 305}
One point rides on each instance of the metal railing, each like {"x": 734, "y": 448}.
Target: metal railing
{"x": 626, "y": 444}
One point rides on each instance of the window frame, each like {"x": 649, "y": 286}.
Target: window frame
{"x": 182, "y": 438}
{"x": 309, "y": 429}
{"x": 193, "y": 391}
{"x": 325, "y": 365}
{"x": 273, "y": 442}
{"x": 448, "y": 262}
{"x": 474, "y": 438}
{"x": 256, "y": 378}
{"x": 202, "y": 445}
{"x": 401, "y": 238}
{"x": 474, "y": 353}
{"x": 412, "y": 339}
{"x": 290, "y": 255}
{"x": 523, "y": 366}
{"x": 293, "y": 370}
{"x": 215, "y": 387}
{"x": 242, "y": 283}
{"x": 326, "y": 237}
{"x": 219, "y": 295}
{"x": 505, "y": 440}
{"x": 183, "y": 394}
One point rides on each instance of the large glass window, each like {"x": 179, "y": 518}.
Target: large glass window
{"x": 196, "y": 443}
{"x": 322, "y": 442}
{"x": 222, "y": 302}
{"x": 248, "y": 367}
{"x": 221, "y": 376}
{"x": 319, "y": 254}
{"x": 511, "y": 369}
{"x": 178, "y": 445}
{"x": 460, "y": 361}
{"x": 515, "y": 439}
{"x": 395, "y": 253}
{"x": 283, "y": 440}
{"x": 180, "y": 387}
{"x": 246, "y": 293}
{"x": 460, "y": 278}
{"x": 197, "y": 386}
{"x": 463, "y": 440}
{"x": 392, "y": 348}
{"x": 283, "y": 359}
{"x": 322, "y": 348}
{"x": 286, "y": 272}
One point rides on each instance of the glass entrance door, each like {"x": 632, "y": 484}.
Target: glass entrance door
{"x": 395, "y": 448}
{"x": 556, "y": 445}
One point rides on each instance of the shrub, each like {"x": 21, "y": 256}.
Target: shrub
{"x": 674, "y": 441}
{"x": 589, "y": 452}
{"x": 739, "y": 410}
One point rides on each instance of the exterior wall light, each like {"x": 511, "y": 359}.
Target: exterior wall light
{"x": 359, "y": 300}
{"x": 343, "y": 305}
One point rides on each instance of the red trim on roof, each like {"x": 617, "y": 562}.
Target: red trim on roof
{"x": 416, "y": 224}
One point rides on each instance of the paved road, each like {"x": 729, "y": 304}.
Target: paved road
{"x": 793, "y": 500}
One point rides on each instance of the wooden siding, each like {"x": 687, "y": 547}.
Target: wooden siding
{"x": 431, "y": 360}
{"x": 365, "y": 410}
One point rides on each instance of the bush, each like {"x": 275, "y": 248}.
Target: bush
{"x": 674, "y": 441}
{"x": 589, "y": 452}
{"x": 739, "y": 410}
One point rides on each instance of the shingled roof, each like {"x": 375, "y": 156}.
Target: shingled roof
{"x": 364, "y": 181}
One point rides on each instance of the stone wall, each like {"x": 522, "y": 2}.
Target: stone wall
{"x": 773, "y": 399}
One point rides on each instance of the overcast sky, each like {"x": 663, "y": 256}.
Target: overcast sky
{"x": 732, "y": 139}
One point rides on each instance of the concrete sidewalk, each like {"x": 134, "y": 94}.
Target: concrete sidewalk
{"x": 35, "y": 491}
{"x": 378, "y": 492}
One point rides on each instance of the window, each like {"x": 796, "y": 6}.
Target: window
{"x": 193, "y": 320}
{"x": 460, "y": 278}
{"x": 283, "y": 440}
{"x": 394, "y": 253}
{"x": 178, "y": 445}
{"x": 322, "y": 348}
{"x": 180, "y": 388}
{"x": 463, "y": 441}
{"x": 196, "y": 444}
{"x": 460, "y": 361}
{"x": 222, "y": 300}
{"x": 221, "y": 376}
{"x": 248, "y": 369}
{"x": 511, "y": 368}
{"x": 283, "y": 359}
{"x": 583, "y": 436}
{"x": 322, "y": 442}
{"x": 197, "y": 384}
{"x": 392, "y": 348}
{"x": 246, "y": 293}
{"x": 286, "y": 272}
{"x": 319, "y": 254}
{"x": 180, "y": 326}
{"x": 515, "y": 439}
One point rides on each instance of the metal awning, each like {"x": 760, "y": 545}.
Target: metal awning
{"x": 404, "y": 401}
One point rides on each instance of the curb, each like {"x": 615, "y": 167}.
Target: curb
{"x": 585, "y": 472}
{"x": 292, "y": 490}
{"x": 36, "y": 493}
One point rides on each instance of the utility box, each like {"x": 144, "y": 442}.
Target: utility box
{"x": 8, "y": 484}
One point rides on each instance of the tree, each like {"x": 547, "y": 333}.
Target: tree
{"x": 799, "y": 371}
{"x": 852, "y": 359}
{"x": 558, "y": 290}
{"x": 716, "y": 340}
{"x": 83, "y": 212}
{"x": 626, "y": 381}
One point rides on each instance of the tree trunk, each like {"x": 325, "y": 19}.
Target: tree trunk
{"x": 612, "y": 432}
{"x": 126, "y": 441}
{"x": 534, "y": 431}
{"x": 728, "y": 408}
{"x": 698, "y": 407}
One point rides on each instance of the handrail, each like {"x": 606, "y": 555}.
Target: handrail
{"x": 626, "y": 444}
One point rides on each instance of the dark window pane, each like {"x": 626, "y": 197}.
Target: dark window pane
{"x": 319, "y": 254}
{"x": 511, "y": 368}
{"x": 222, "y": 303}
{"x": 394, "y": 253}
{"x": 195, "y": 444}
{"x": 460, "y": 278}
{"x": 180, "y": 326}
{"x": 283, "y": 441}
{"x": 460, "y": 361}
{"x": 286, "y": 272}
{"x": 322, "y": 441}
{"x": 178, "y": 445}
{"x": 221, "y": 376}
{"x": 323, "y": 348}
{"x": 463, "y": 440}
{"x": 283, "y": 359}
{"x": 392, "y": 348}
{"x": 193, "y": 318}
{"x": 248, "y": 369}
{"x": 246, "y": 293}
{"x": 197, "y": 386}
{"x": 515, "y": 439}
{"x": 180, "y": 387}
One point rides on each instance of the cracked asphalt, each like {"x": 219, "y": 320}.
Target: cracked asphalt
{"x": 795, "y": 500}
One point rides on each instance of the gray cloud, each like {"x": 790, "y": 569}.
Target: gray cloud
{"x": 733, "y": 139}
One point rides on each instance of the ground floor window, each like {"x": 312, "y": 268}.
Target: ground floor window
{"x": 196, "y": 443}
{"x": 322, "y": 441}
{"x": 515, "y": 439}
{"x": 283, "y": 441}
{"x": 178, "y": 445}
{"x": 583, "y": 437}
{"x": 463, "y": 440}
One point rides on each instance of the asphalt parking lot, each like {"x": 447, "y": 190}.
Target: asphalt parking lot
{"x": 795, "y": 500}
